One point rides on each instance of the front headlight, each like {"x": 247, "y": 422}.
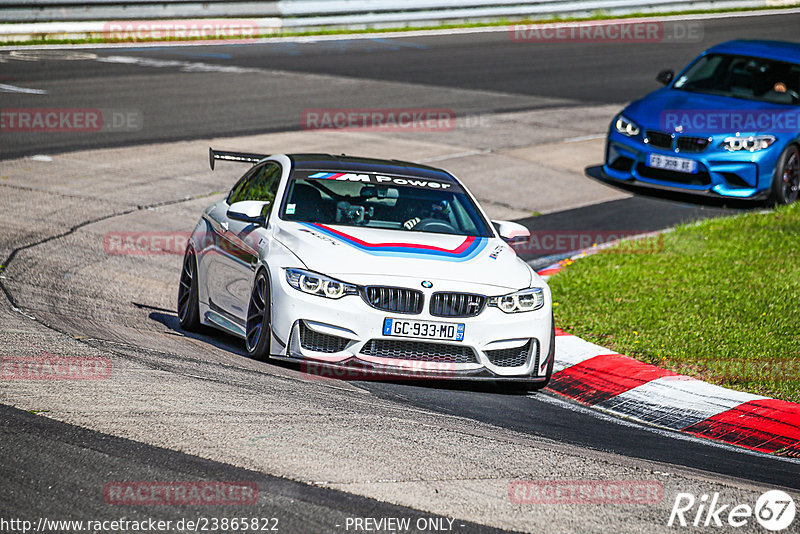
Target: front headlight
{"x": 625, "y": 126}
{"x": 317, "y": 284}
{"x": 753, "y": 143}
{"x": 521, "y": 301}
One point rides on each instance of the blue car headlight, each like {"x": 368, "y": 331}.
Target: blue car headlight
{"x": 625, "y": 126}
{"x": 753, "y": 143}
{"x": 317, "y": 284}
{"x": 520, "y": 301}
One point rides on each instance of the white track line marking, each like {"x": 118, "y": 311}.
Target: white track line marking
{"x": 14, "y": 89}
{"x": 27, "y": 54}
{"x": 183, "y": 66}
{"x": 584, "y": 138}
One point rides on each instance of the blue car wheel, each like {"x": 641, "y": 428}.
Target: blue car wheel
{"x": 786, "y": 183}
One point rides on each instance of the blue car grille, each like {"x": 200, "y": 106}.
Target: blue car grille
{"x": 692, "y": 144}
{"x": 659, "y": 139}
{"x": 700, "y": 178}
{"x": 682, "y": 143}
{"x": 622, "y": 164}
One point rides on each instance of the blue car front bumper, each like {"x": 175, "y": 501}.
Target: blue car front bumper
{"x": 741, "y": 174}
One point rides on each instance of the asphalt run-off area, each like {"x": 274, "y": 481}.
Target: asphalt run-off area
{"x": 521, "y": 121}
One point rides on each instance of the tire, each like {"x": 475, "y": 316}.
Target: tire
{"x": 786, "y": 182}
{"x": 188, "y": 307}
{"x": 258, "y": 330}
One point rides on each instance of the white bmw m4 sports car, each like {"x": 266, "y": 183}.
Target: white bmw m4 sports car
{"x": 355, "y": 263}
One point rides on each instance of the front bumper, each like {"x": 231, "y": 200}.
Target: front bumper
{"x": 345, "y": 338}
{"x": 741, "y": 175}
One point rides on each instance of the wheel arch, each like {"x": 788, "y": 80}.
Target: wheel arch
{"x": 795, "y": 144}
{"x": 264, "y": 268}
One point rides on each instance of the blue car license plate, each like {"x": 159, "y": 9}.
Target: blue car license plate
{"x": 671, "y": 163}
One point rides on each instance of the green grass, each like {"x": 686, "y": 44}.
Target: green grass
{"x": 718, "y": 300}
{"x": 599, "y": 15}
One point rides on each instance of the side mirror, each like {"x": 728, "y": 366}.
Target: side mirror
{"x": 251, "y": 211}
{"x": 512, "y": 232}
{"x": 665, "y": 76}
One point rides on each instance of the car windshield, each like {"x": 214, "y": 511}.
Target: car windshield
{"x": 369, "y": 200}
{"x": 743, "y": 77}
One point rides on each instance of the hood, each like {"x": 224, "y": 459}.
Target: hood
{"x": 351, "y": 253}
{"x": 662, "y": 109}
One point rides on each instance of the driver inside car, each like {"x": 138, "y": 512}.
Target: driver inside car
{"x": 424, "y": 207}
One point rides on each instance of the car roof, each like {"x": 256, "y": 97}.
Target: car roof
{"x": 776, "y": 50}
{"x": 330, "y": 162}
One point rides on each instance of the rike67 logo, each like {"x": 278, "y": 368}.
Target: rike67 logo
{"x": 774, "y": 510}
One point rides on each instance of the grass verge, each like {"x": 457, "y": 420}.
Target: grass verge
{"x": 718, "y": 300}
{"x": 344, "y": 31}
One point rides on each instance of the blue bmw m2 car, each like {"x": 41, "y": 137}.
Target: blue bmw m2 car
{"x": 727, "y": 125}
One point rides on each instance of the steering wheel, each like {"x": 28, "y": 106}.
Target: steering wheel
{"x": 434, "y": 225}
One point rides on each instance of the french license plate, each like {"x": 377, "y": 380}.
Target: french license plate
{"x": 672, "y": 163}
{"x": 423, "y": 329}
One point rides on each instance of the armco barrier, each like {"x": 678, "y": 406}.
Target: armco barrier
{"x": 59, "y": 19}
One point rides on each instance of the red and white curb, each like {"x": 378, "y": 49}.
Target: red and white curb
{"x": 594, "y": 376}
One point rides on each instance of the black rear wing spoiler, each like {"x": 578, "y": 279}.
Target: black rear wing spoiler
{"x": 214, "y": 155}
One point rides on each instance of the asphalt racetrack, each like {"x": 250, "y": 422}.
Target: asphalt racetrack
{"x": 528, "y": 140}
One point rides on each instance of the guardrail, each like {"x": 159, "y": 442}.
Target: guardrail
{"x": 70, "y": 19}
{"x": 71, "y": 10}
{"x": 368, "y": 11}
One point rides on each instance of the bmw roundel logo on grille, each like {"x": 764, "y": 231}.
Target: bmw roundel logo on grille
{"x": 426, "y": 284}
